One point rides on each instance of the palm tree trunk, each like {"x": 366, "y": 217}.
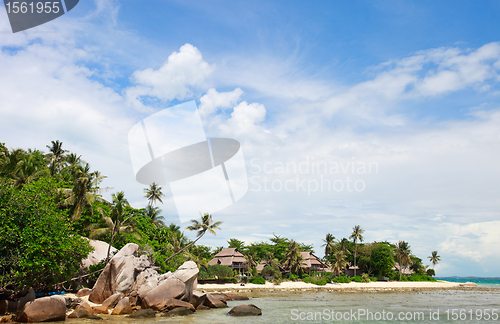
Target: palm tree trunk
{"x": 187, "y": 246}
{"x": 355, "y": 252}
{"x": 109, "y": 246}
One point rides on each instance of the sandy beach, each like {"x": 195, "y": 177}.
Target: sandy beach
{"x": 394, "y": 286}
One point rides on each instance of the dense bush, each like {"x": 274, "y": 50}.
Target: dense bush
{"x": 258, "y": 280}
{"x": 418, "y": 277}
{"x": 293, "y": 277}
{"x": 320, "y": 281}
{"x": 431, "y": 272}
{"x": 271, "y": 271}
{"x": 215, "y": 271}
{"x": 38, "y": 246}
{"x": 341, "y": 279}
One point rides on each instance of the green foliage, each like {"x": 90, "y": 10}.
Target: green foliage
{"x": 431, "y": 272}
{"x": 341, "y": 279}
{"x": 320, "y": 281}
{"x": 363, "y": 278}
{"x": 38, "y": 246}
{"x": 258, "y": 280}
{"x": 215, "y": 271}
{"x": 382, "y": 259}
{"x": 271, "y": 271}
{"x": 293, "y": 277}
{"x": 419, "y": 277}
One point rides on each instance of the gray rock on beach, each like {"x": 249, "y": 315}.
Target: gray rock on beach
{"x": 45, "y": 309}
{"x": 245, "y": 310}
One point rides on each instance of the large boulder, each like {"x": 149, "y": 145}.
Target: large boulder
{"x": 172, "y": 288}
{"x": 83, "y": 292}
{"x": 45, "y": 309}
{"x": 245, "y": 310}
{"x": 146, "y": 281}
{"x": 188, "y": 273}
{"x": 198, "y": 298}
{"x": 175, "y": 303}
{"x": 143, "y": 313}
{"x": 179, "y": 311}
{"x": 117, "y": 276}
{"x": 123, "y": 307}
{"x": 100, "y": 253}
{"x": 112, "y": 300}
{"x": 18, "y": 303}
{"x": 213, "y": 302}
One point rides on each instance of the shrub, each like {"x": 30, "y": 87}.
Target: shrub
{"x": 418, "y": 277}
{"x": 293, "y": 277}
{"x": 258, "y": 280}
{"x": 372, "y": 278}
{"x": 277, "y": 281}
{"x": 341, "y": 279}
{"x": 273, "y": 271}
{"x": 216, "y": 270}
{"x": 431, "y": 272}
{"x": 230, "y": 280}
{"x": 320, "y": 281}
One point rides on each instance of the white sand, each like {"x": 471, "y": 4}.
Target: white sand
{"x": 290, "y": 285}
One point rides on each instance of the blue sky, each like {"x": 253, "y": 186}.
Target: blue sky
{"x": 410, "y": 86}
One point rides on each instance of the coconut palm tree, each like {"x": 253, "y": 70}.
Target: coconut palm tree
{"x": 293, "y": 258}
{"x": 338, "y": 261}
{"x": 28, "y": 170}
{"x": 206, "y": 225}
{"x": 329, "y": 245}
{"x": 402, "y": 255}
{"x": 84, "y": 192}
{"x": 118, "y": 220}
{"x": 56, "y": 156}
{"x": 357, "y": 234}
{"x": 153, "y": 193}
{"x": 434, "y": 258}
{"x": 153, "y": 213}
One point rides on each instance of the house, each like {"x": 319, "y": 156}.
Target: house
{"x": 310, "y": 262}
{"x": 230, "y": 257}
{"x": 349, "y": 270}
{"x": 406, "y": 271}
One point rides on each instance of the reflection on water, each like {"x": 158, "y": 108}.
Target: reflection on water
{"x": 279, "y": 308}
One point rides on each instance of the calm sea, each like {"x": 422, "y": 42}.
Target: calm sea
{"x": 483, "y": 282}
{"x": 443, "y": 306}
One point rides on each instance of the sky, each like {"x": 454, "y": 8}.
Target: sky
{"x": 383, "y": 114}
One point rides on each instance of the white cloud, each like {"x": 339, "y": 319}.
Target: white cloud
{"x": 182, "y": 73}
{"x": 213, "y": 100}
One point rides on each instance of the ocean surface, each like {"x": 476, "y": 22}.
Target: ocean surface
{"x": 482, "y": 282}
{"x": 438, "y": 306}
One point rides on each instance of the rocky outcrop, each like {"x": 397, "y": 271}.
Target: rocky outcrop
{"x": 175, "y": 303}
{"x": 188, "y": 273}
{"x": 100, "y": 309}
{"x": 123, "y": 307}
{"x": 213, "y": 302}
{"x": 83, "y": 292}
{"x": 179, "y": 311}
{"x": 143, "y": 313}
{"x": 117, "y": 276}
{"x": 45, "y": 309}
{"x": 172, "y": 288}
{"x": 100, "y": 253}
{"x": 198, "y": 298}
{"x": 112, "y": 300}
{"x": 16, "y": 304}
{"x": 82, "y": 311}
{"x": 245, "y": 310}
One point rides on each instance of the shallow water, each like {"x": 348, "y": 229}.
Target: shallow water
{"x": 282, "y": 308}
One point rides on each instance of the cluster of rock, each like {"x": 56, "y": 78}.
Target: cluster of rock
{"x": 131, "y": 285}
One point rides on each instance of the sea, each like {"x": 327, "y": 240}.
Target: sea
{"x": 464, "y": 305}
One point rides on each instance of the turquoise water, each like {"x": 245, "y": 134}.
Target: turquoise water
{"x": 282, "y": 308}
{"x": 483, "y": 282}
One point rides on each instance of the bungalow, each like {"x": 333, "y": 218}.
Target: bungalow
{"x": 406, "y": 271}
{"x": 349, "y": 270}
{"x": 310, "y": 262}
{"x": 230, "y": 257}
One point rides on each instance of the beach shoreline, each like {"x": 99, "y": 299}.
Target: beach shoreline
{"x": 352, "y": 287}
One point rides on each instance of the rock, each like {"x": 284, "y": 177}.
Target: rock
{"x": 79, "y": 313}
{"x": 202, "y": 307}
{"x": 143, "y": 313}
{"x": 174, "y": 303}
{"x": 146, "y": 281}
{"x": 100, "y": 309}
{"x": 111, "y": 301}
{"x": 95, "y": 317}
{"x": 198, "y": 298}
{"x": 45, "y": 309}
{"x": 117, "y": 276}
{"x": 468, "y": 284}
{"x": 100, "y": 253}
{"x": 179, "y": 311}
{"x": 71, "y": 302}
{"x": 213, "y": 302}
{"x": 231, "y": 296}
{"x": 245, "y": 310}
{"x": 11, "y": 318}
{"x": 188, "y": 272}
{"x": 122, "y": 308}
{"x": 83, "y": 292}
{"x": 17, "y": 305}
{"x": 172, "y": 288}
{"x": 142, "y": 263}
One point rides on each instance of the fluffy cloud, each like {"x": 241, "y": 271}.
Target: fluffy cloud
{"x": 213, "y": 100}
{"x": 183, "y": 72}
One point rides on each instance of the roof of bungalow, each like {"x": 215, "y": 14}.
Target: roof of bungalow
{"x": 227, "y": 257}
{"x": 406, "y": 271}
{"x": 309, "y": 259}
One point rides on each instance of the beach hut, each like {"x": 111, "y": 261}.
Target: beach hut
{"x": 310, "y": 262}
{"x": 406, "y": 271}
{"x": 349, "y": 270}
{"x": 232, "y": 258}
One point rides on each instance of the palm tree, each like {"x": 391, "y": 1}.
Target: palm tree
{"x": 56, "y": 156}
{"x": 357, "y": 234}
{"x": 329, "y": 245}
{"x": 293, "y": 258}
{"x": 153, "y": 213}
{"x": 153, "y": 193}
{"x": 343, "y": 246}
{"x": 28, "y": 170}
{"x": 434, "y": 258}
{"x": 338, "y": 261}
{"x": 206, "y": 225}
{"x": 84, "y": 192}
{"x": 117, "y": 221}
{"x": 402, "y": 255}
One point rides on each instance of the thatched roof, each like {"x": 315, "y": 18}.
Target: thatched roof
{"x": 227, "y": 257}
{"x": 309, "y": 259}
